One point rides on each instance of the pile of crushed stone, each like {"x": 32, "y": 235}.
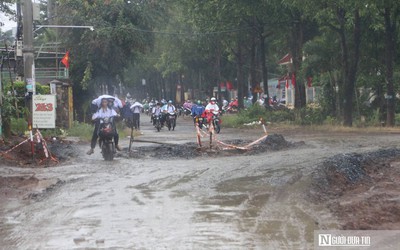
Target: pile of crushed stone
{"x": 343, "y": 171}
{"x": 274, "y": 142}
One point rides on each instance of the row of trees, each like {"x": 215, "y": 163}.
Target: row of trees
{"x": 343, "y": 45}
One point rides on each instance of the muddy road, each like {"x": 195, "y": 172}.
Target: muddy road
{"x": 226, "y": 202}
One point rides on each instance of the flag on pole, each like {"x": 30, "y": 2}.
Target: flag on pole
{"x": 309, "y": 81}
{"x": 65, "y": 60}
{"x": 294, "y": 79}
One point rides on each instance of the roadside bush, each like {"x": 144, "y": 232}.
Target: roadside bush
{"x": 19, "y": 126}
{"x": 312, "y": 116}
{"x": 285, "y": 115}
{"x": 82, "y": 130}
{"x": 254, "y": 114}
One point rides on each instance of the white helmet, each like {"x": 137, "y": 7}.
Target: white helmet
{"x": 213, "y": 99}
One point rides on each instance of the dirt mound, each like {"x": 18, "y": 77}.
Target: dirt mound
{"x": 273, "y": 142}
{"x": 361, "y": 189}
{"x": 21, "y": 155}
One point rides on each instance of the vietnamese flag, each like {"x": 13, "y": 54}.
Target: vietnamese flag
{"x": 65, "y": 60}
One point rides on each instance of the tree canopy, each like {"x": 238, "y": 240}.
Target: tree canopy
{"x": 348, "y": 48}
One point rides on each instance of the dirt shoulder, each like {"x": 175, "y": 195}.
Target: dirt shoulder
{"x": 362, "y": 190}
{"x": 17, "y": 151}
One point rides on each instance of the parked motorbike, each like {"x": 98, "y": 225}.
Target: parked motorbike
{"x": 171, "y": 120}
{"x": 106, "y": 138}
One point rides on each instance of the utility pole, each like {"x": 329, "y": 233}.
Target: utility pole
{"x": 28, "y": 50}
{"x": 28, "y": 53}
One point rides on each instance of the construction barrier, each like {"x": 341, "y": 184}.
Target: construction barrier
{"x": 39, "y": 140}
{"x": 226, "y": 146}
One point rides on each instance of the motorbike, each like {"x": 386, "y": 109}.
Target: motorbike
{"x": 216, "y": 122}
{"x": 171, "y": 120}
{"x": 106, "y": 138}
{"x": 157, "y": 122}
{"x": 146, "y": 111}
{"x": 187, "y": 112}
{"x": 199, "y": 120}
{"x": 229, "y": 109}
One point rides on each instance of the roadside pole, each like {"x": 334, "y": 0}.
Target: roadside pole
{"x": 1, "y": 101}
{"x": 28, "y": 54}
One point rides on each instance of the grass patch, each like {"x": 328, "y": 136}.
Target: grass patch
{"x": 82, "y": 130}
{"x": 254, "y": 114}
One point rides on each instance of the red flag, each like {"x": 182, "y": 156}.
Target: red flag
{"x": 293, "y": 79}
{"x": 65, "y": 60}
{"x": 229, "y": 85}
{"x": 309, "y": 81}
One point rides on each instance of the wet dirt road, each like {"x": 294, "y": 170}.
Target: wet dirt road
{"x": 231, "y": 202}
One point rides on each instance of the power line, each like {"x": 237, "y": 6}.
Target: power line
{"x": 191, "y": 34}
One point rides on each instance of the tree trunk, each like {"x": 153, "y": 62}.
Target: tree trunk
{"x": 390, "y": 29}
{"x": 349, "y": 70}
{"x": 218, "y": 74}
{"x": 240, "y": 78}
{"x": 253, "y": 82}
{"x": 296, "y": 49}
{"x": 264, "y": 69}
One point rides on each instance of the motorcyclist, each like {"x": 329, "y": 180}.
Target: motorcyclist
{"x": 211, "y": 108}
{"x": 247, "y": 102}
{"x": 168, "y": 108}
{"x": 212, "y": 105}
{"x": 234, "y": 103}
{"x": 146, "y": 107}
{"x": 156, "y": 111}
{"x": 104, "y": 112}
{"x": 113, "y": 102}
{"x": 197, "y": 112}
{"x": 187, "y": 105}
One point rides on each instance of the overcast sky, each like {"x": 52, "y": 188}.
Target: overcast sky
{"x": 7, "y": 23}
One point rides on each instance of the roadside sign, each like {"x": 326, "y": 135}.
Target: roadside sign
{"x": 44, "y": 111}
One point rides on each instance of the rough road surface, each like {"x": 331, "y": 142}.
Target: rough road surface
{"x": 146, "y": 201}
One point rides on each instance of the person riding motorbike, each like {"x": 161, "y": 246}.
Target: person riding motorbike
{"x": 211, "y": 108}
{"x": 187, "y": 105}
{"x": 167, "y": 109}
{"x": 156, "y": 111}
{"x": 197, "y": 112}
{"x": 113, "y": 102}
{"x": 104, "y": 112}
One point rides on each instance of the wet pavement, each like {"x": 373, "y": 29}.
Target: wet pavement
{"x": 230, "y": 202}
